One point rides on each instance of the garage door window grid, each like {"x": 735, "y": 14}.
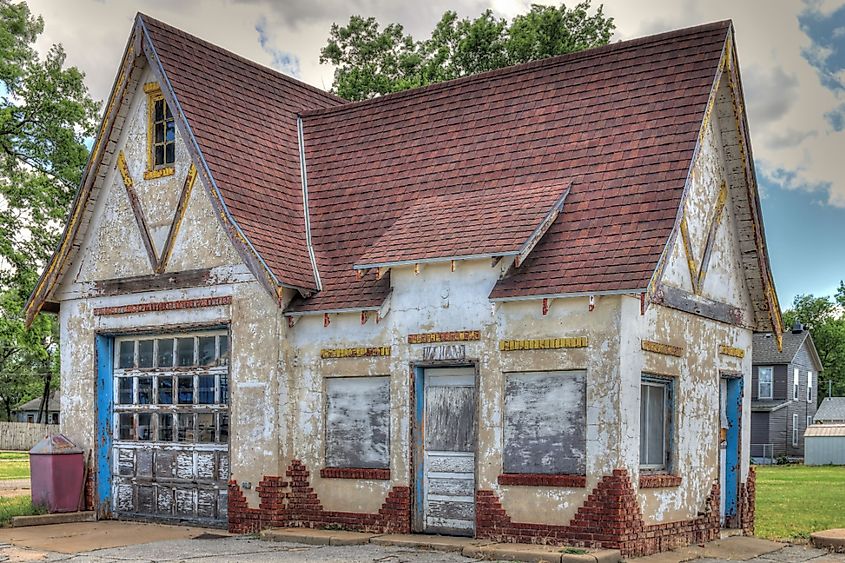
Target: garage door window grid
{"x": 172, "y": 388}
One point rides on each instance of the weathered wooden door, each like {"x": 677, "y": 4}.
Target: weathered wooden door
{"x": 449, "y": 428}
{"x": 170, "y": 427}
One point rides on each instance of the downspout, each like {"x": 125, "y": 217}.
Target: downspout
{"x": 303, "y": 173}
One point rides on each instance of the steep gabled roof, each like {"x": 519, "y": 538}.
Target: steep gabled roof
{"x": 765, "y": 349}
{"x": 239, "y": 120}
{"x": 244, "y": 118}
{"x": 620, "y": 122}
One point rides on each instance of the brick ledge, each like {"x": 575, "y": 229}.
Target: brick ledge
{"x": 659, "y": 480}
{"x": 354, "y": 473}
{"x": 542, "y": 480}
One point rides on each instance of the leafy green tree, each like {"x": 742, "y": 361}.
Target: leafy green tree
{"x": 46, "y": 114}
{"x": 824, "y": 317}
{"x": 371, "y": 61}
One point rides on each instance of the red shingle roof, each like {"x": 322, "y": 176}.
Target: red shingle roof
{"x": 243, "y": 116}
{"x": 620, "y": 121}
{"x": 475, "y": 222}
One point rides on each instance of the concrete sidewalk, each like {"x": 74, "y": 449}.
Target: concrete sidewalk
{"x": 113, "y": 542}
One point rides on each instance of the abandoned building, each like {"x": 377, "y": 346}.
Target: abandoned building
{"x": 517, "y": 305}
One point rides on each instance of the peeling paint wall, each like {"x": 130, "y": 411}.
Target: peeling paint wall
{"x": 113, "y": 248}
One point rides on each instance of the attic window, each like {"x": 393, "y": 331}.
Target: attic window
{"x": 161, "y": 134}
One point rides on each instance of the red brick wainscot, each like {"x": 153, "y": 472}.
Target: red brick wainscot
{"x": 748, "y": 502}
{"x": 293, "y": 503}
{"x": 610, "y": 518}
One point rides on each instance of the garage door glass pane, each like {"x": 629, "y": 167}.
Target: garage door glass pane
{"x": 224, "y": 428}
{"x": 223, "y": 346}
{"x": 184, "y": 352}
{"x": 165, "y": 353}
{"x": 145, "y": 353}
{"x": 165, "y": 427}
{"x": 206, "y": 389}
{"x": 145, "y": 390}
{"x": 165, "y": 390}
{"x": 205, "y": 427}
{"x": 125, "y": 427}
{"x": 145, "y": 426}
{"x": 185, "y": 430}
{"x": 186, "y": 390}
{"x": 126, "y": 358}
{"x": 124, "y": 390}
{"x": 206, "y": 350}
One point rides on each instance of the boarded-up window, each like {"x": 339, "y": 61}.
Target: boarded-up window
{"x": 358, "y": 422}
{"x": 545, "y": 423}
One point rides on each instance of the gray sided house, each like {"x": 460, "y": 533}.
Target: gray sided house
{"x": 516, "y": 306}
{"x": 28, "y": 411}
{"x": 784, "y": 393}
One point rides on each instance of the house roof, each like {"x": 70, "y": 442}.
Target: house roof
{"x": 446, "y": 226}
{"x": 765, "y": 348}
{"x": 620, "y": 122}
{"x": 768, "y": 405}
{"x": 825, "y": 430}
{"x": 309, "y": 187}
{"x": 831, "y": 409}
{"x": 54, "y": 403}
{"x": 244, "y": 118}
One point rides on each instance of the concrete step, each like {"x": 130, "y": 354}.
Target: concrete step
{"x": 829, "y": 539}
{"x": 541, "y": 553}
{"x": 430, "y": 542}
{"x": 57, "y": 518}
{"x": 315, "y": 537}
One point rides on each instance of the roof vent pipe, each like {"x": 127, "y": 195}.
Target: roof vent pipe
{"x": 797, "y": 327}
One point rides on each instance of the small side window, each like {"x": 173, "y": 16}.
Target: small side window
{"x": 655, "y": 423}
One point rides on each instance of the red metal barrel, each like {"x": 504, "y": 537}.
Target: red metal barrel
{"x": 56, "y": 470}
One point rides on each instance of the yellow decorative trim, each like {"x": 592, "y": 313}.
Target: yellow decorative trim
{"x": 661, "y": 348}
{"x": 151, "y": 87}
{"x": 160, "y": 173}
{"x": 327, "y": 353}
{"x": 455, "y": 336}
{"x": 124, "y": 170}
{"x": 543, "y": 344}
{"x": 731, "y": 351}
{"x": 181, "y": 208}
{"x": 691, "y": 263}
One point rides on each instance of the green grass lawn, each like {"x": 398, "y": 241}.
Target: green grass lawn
{"x": 793, "y": 500}
{"x": 16, "y": 506}
{"x": 14, "y": 465}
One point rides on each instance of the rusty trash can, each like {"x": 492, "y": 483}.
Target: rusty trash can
{"x": 56, "y": 469}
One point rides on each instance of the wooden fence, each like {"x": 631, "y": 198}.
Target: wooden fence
{"x": 21, "y": 436}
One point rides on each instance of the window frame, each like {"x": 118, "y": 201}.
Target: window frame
{"x": 327, "y": 454}
{"x": 154, "y": 94}
{"x": 809, "y": 386}
{"x": 794, "y": 430}
{"x": 579, "y": 376}
{"x": 809, "y": 421}
{"x": 771, "y": 372}
{"x": 796, "y": 383}
{"x": 668, "y": 386}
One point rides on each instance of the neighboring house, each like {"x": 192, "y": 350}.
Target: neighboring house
{"x": 784, "y": 391}
{"x": 831, "y": 411}
{"x": 28, "y": 412}
{"x": 509, "y": 306}
{"x": 825, "y": 444}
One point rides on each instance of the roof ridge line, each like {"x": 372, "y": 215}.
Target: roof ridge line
{"x": 525, "y": 67}
{"x": 257, "y": 65}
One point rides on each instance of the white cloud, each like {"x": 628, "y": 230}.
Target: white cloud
{"x": 793, "y": 139}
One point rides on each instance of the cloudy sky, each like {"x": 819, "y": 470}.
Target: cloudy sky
{"x": 792, "y": 54}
